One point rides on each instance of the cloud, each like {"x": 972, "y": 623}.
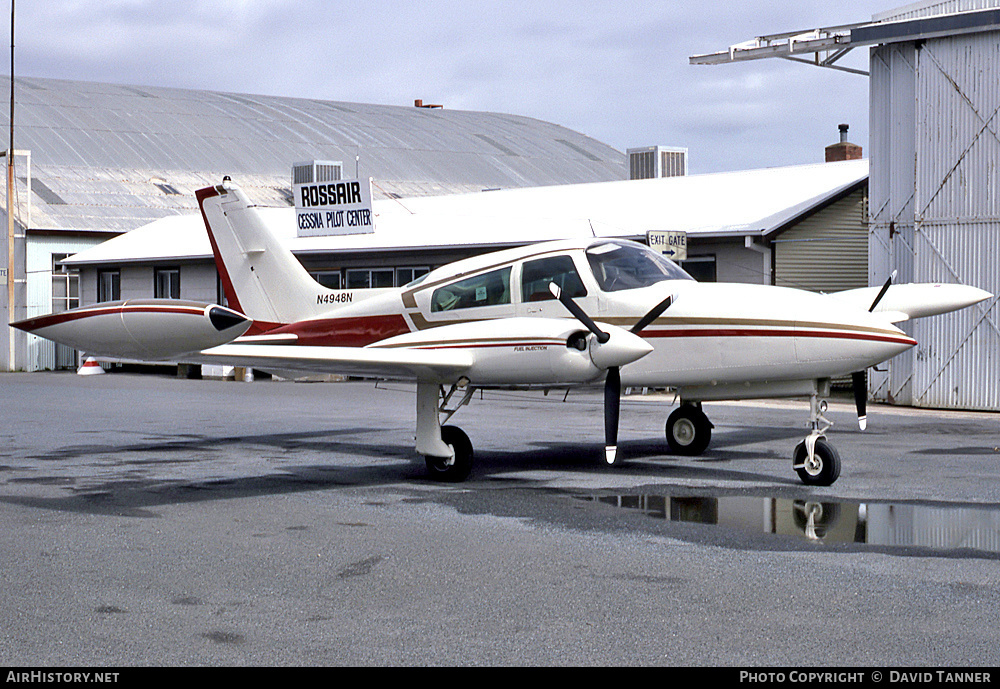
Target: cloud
{"x": 616, "y": 71}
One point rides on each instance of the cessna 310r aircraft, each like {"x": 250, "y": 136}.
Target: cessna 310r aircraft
{"x": 550, "y": 315}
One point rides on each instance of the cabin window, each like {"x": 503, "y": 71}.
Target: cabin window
{"x": 537, "y": 275}
{"x": 620, "y": 265}
{"x": 487, "y": 289}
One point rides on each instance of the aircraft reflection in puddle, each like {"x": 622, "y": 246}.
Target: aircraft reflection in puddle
{"x": 880, "y": 524}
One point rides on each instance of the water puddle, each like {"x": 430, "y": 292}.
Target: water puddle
{"x": 871, "y": 523}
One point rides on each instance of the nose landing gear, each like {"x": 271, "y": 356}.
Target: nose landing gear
{"x": 815, "y": 460}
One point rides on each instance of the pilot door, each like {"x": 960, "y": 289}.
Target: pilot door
{"x": 536, "y": 298}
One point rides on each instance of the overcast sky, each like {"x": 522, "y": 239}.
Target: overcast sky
{"x": 616, "y": 71}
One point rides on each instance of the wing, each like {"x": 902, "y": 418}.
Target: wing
{"x": 914, "y": 300}
{"x": 403, "y": 364}
{"x": 500, "y": 352}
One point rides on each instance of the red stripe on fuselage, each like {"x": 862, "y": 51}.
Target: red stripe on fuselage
{"x": 344, "y": 332}
{"x": 729, "y": 332}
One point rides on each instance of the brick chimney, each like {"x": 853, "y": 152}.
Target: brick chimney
{"x": 843, "y": 149}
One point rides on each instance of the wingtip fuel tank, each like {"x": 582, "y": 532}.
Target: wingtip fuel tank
{"x": 143, "y": 329}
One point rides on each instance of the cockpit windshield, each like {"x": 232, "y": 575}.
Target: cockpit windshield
{"x": 620, "y": 265}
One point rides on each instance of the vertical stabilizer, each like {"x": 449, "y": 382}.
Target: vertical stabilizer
{"x": 261, "y": 277}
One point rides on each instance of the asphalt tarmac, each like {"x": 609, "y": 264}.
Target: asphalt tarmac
{"x": 152, "y": 521}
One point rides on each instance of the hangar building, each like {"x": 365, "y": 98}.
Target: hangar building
{"x": 934, "y": 92}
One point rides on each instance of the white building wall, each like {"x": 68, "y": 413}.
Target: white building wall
{"x": 41, "y": 353}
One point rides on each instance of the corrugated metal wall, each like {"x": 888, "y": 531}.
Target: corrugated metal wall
{"x": 935, "y": 210}
{"x": 828, "y": 251}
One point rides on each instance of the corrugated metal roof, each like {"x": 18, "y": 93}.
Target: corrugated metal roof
{"x": 102, "y": 148}
{"x": 752, "y": 202}
{"x": 932, "y": 8}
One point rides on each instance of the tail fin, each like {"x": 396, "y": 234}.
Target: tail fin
{"x": 261, "y": 277}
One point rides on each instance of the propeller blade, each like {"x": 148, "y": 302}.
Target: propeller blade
{"x": 574, "y": 309}
{"x": 652, "y": 315}
{"x": 859, "y": 379}
{"x": 882, "y": 292}
{"x": 612, "y": 402}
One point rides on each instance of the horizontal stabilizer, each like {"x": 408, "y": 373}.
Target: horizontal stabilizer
{"x": 914, "y": 300}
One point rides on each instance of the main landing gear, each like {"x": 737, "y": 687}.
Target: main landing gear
{"x": 447, "y": 450}
{"x": 688, "y": 430}
{"x": 815, "y": 460}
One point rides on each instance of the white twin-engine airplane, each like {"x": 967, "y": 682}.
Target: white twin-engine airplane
{"x": 503, "y": 320}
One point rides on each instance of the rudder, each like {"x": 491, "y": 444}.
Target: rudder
{"x": 261, "y": 277}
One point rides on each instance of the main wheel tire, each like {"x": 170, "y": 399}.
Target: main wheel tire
{"x": 446, "y": 469}
{"x": 688, "y": 431}
{"x": 825, "y": 467}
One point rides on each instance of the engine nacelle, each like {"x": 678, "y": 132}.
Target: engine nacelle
{"x": 144, "y": 329}
{"x": 528, "y": 351}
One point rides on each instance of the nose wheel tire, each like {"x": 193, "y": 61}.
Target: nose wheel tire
{"x": 688, "y": 430}
{"x": 452, "y": 469}
{"x": 823, "y": 469}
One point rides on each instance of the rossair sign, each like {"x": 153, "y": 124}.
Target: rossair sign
{"x": 343, "y": 206}
{"x": 673, "y": 245}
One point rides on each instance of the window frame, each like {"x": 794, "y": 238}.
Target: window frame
{"x": 474, "y": 285}
{"x": 167, "y": 271}
{"x": 114, "y": 276}
{"x": 578, "y": 291}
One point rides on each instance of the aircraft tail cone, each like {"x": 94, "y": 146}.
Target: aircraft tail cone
{"x": 90, "y": 368}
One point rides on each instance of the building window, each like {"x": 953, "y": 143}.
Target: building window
{"x": 365, "y": 278}
{"x": 109, "y": 285}
{"x": 328, "y": 278}
{"x": 65, "y": 285}
{"x": 167, "y": 283}
{"x": 220, "y": 290}
{"x": 701, "y": 268}
{"x": 405, "y": 276}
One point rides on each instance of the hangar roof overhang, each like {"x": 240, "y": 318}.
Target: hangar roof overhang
{"x": 750, "y": 203}
{"x": 830, "y": 44}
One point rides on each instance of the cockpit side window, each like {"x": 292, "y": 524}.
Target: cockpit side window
{"x": 536, "y": 276}
{"x": 618, "y": 266}
{"x": 487, "y": 289}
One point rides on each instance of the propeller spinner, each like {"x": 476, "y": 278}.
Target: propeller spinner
{"x": 613, "y": 350}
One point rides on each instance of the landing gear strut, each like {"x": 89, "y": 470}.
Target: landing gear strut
{"x": 688, "y": 430}
{"x": 447, "y": 450}
{"x": 815, "y": 460}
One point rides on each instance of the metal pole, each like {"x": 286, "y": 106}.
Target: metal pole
{"x": 10, "y": 197}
